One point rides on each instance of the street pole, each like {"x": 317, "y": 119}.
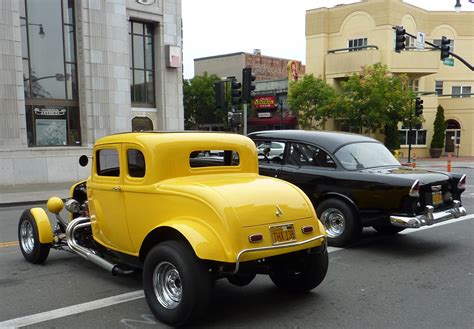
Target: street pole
{"x": 410, "y": 132}
{"x": 244, "y": 119}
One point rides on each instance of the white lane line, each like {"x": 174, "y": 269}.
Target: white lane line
{"x": 105, "y": 302}
{"x": 70, "y": 310}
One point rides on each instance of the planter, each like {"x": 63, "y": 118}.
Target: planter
{"x": 436, "y": 152}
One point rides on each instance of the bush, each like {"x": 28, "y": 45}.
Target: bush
{"x": 439, "y": 129}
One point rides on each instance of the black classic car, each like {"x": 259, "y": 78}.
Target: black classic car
{"x": 354, "y": 181}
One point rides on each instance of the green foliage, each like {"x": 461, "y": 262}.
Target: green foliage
{"x": 376, "y": 100}
{"x": 198, "y": 101}
{"x": 313, "y": 99}
{"x": 439, "y": 129}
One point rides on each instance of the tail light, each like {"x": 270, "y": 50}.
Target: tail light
{"x": 415, "y": 189}
{"x": 462, "y": 183}
{"x": 257, "y": 237}
{"x": 307, "y": 229}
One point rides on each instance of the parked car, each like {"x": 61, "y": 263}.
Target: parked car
{"x": 354, "y": 181}
{"x": 189, "y": 209}
{"x": 272, "y": 151}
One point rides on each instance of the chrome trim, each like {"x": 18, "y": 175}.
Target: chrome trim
{"x": 84, "y": 252}
{"x": 429, "y": 217}
{"x": 279, "y": 246}
{"x": 413, "y": 193}
{"x": 436, "y": 188}
{"x": 462, "y": 186}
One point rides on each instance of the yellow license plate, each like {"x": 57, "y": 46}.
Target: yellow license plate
{"x": 283, "y": 233}
{"x": 437, "y": 198}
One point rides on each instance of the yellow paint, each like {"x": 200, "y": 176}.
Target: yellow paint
{"x": 55, "y": 205}
{"x": 8, "y": 244}
{"x": 214, "y": 208}
{"x": 44, "y": 227}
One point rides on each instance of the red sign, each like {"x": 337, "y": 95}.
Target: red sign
{"x": 264, "y": 102}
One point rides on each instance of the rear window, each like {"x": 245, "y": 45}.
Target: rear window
{"x": 214, "y": 158}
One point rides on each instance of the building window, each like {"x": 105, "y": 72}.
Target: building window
{"x": 460, "y": 91}
{"x": 49, "y": 72}
{"x": 413, "y": 84}
{"x": 418, "y": 136}
{"x": 142, "y": 75}
{"x": 439, "y": 87}
{"x": 356, "y": 44}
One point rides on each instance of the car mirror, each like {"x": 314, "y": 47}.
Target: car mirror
{"x": 83, "y": 160}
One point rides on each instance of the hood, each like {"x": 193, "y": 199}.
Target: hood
{"x": 254, "y": 200}
{"x": 426, "y": 177}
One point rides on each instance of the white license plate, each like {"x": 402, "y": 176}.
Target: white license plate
{"x": 282, "y": 233}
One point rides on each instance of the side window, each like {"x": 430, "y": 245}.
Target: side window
{"x": 309, "y": 156}
{"x": 135, "y": 163}
{"x": 270, "y": 151}
{"x": 108, "y": 162}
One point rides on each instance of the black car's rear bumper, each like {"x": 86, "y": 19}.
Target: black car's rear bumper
{"x": 429, "y": 217}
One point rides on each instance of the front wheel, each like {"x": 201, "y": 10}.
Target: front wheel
{"x": 32, "y": 249}
{"x": 340, "y": 221}
{"x": 177, "y": 284}
{"x": 303, "y": 274}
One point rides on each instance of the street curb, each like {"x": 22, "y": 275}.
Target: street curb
{"x": 21, "y": 203}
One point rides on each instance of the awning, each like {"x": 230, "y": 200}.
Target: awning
{"x": 276, "y": 120}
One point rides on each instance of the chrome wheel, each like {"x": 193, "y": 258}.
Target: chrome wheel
{"x": 27, "y": 237}
{"x": 167, "y": 285}
{"x": 334, "y": 222}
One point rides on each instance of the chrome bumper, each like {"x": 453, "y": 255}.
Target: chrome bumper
{"x": 429, "y": 217}
{"x": 279, "y": 246}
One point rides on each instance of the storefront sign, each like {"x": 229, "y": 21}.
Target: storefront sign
{"x": 264, "y": 115}
{"x": 264, "y": 102}
{"x": 49, "y": 112}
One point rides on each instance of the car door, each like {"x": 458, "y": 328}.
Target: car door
{"x": 310, "y": 168}
{"x": 270, "y": 156}
{"x": 106, "y": 199}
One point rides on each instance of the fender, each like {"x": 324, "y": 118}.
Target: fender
{"x": 338, "y": 195}
{"x": 205, "y": 241}
{"x": 44, "y": 226}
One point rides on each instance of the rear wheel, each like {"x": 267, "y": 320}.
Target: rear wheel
{"x": 241, "y": 279}
{"x": 32, "y": 249}
{"x": 340, "y": 221}
{"x": 303, "y": 274}
{"x": 177, "y": 284}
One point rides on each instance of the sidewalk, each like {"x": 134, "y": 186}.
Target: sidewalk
{"x": 40, "y": 193}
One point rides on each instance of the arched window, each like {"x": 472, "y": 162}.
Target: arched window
{"x": 452, "y": 124}
{"x": 142, "y": 124}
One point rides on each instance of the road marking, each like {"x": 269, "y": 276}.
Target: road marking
{"x": 130, "y": 296}
{"x": 70, "y": 310}
{"x": 8, "y": 244}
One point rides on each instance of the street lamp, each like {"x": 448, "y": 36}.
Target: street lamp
{"x": 41, "y": 29}
{"x": 457, "y": 6}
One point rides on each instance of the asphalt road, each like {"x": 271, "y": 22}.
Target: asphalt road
{"x": 421, "y": 279}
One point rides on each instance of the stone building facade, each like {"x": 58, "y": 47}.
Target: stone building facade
{"x": 72, "y": 71}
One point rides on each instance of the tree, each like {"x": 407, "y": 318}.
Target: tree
{"x": 312, "y": 98}
{"x": 376, "y": 100}
{"x": 439, "y": 132}
{"x": 198, "y": 101}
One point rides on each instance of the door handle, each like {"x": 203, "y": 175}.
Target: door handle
{"x": 116, "y": 188}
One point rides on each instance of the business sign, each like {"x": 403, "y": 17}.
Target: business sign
{"x": 264, "y": 115}
{"x": 264, "y": 102}
{"x": 49, "y": 112}
{"x": 448, "y": 61}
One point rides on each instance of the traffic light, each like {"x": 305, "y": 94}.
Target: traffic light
{"x": 235, "y": 91}
{"x": 247, "y": 84}
{"x": 219, "y": 94}
{"x": 399, "y": 38}
{"x": 418, "y": 107}
{"x": 445, "y": 46}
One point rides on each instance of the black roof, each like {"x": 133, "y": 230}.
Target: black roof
{"x": 329, "y": 140}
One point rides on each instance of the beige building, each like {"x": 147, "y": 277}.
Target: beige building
{"x": 343, "y": 39}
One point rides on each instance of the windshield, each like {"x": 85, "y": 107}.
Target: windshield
{"x": 365, "y": 155}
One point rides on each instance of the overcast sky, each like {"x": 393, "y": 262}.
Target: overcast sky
{"x": 277, "y": 27}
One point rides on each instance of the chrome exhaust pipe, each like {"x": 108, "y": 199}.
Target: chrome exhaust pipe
{"x": 86, "y": 253}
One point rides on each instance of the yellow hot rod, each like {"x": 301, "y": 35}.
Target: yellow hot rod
{"x": 188, "y": 209}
